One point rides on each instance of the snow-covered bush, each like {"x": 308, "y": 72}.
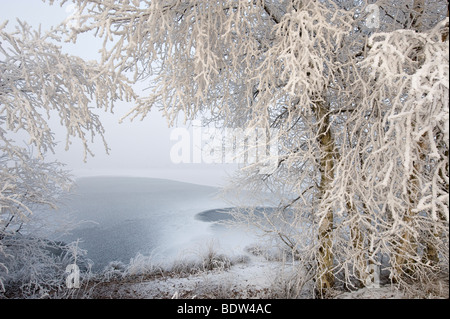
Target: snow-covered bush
{"x": 205, "y": 259}
{"x": 36, "y": 268}
{"x": 26, "y": 259}
{"x": 142, "y": 265}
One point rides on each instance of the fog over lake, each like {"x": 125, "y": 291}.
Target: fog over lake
{"x": 163, "y": 218}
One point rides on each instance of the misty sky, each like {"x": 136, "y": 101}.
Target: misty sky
{"x": 139, "y": 148}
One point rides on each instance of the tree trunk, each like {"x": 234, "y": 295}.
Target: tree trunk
{"x": 406, "y": 252}
{"x": 362, "y": 264}
{"x": 325, "y": 276}
{"x": 407, "y": 249}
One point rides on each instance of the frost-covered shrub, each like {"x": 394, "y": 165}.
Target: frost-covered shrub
{"x": 212, "y": 260}
{"x": 36, "y": 268}
{"x": 114, "y": 270}
{"x": 205, "y": 259}
{"x": 142, "y": 265}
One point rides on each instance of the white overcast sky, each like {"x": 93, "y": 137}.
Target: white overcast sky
{"x": 139, "y": 148}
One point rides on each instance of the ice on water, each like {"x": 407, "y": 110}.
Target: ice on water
{"x": 124, "y": 216}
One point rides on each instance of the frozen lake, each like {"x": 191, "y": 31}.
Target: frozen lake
{"x": 162, "y": 218}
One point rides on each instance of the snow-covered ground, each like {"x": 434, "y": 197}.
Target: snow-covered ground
{"x": 257, "y": 278}
{"x": 247, "y": 280}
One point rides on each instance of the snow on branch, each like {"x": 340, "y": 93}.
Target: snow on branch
{"x": 38, "y": 81}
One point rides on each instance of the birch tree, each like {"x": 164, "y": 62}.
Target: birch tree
{"x": 359, "y": 104}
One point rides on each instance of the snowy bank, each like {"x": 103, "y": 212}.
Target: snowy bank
{"x": 250, "y": 276}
